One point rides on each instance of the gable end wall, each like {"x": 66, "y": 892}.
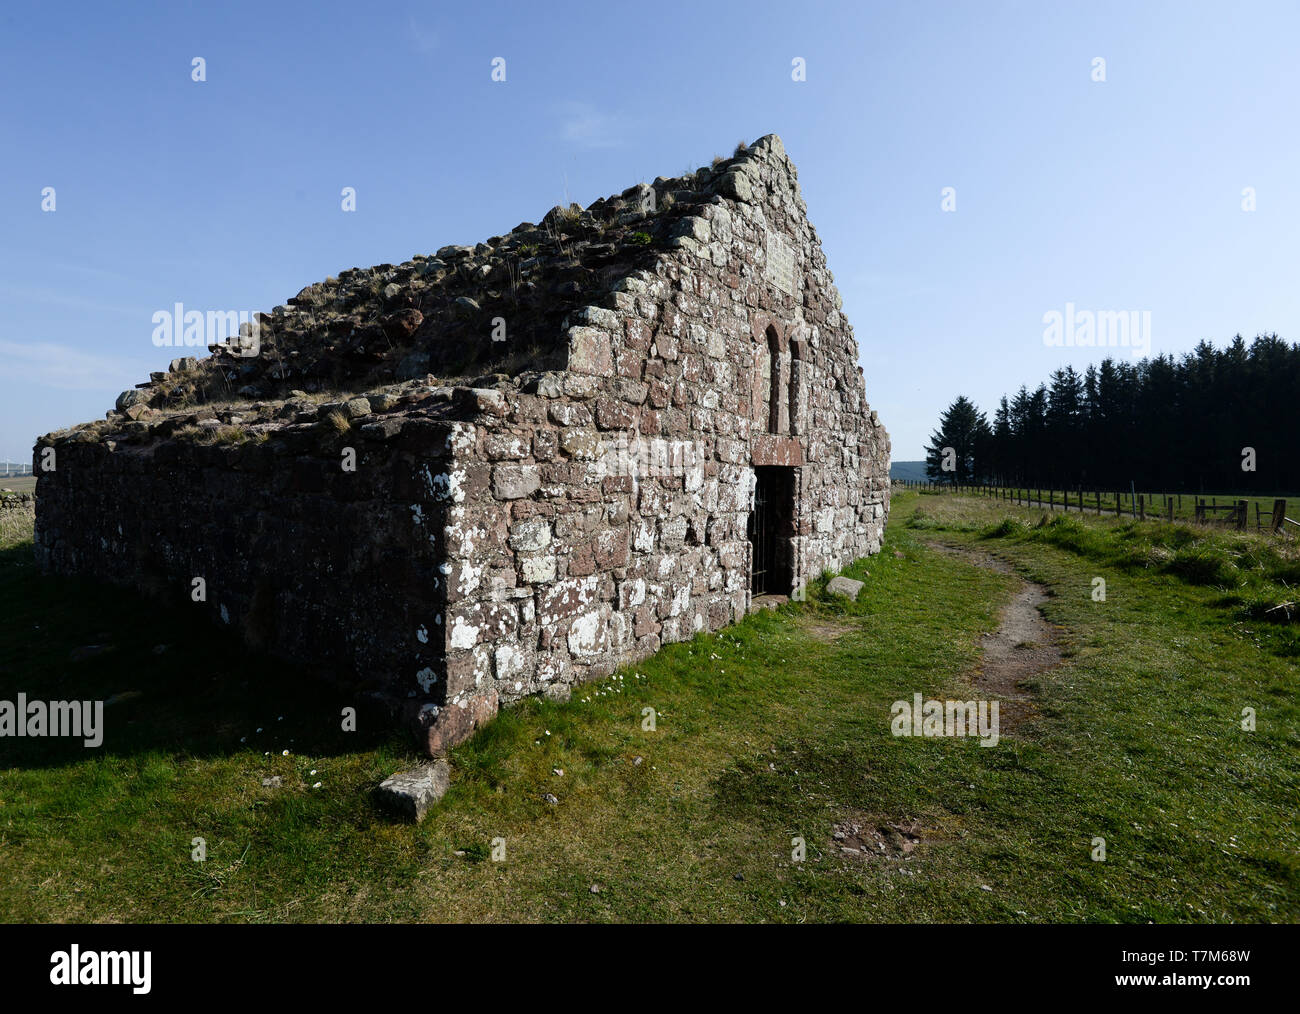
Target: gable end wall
{"x": 615, "y": 501}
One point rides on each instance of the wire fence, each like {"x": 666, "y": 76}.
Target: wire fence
{"x": 1262, "y": 513}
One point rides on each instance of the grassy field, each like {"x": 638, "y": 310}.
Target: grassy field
{"x": 774, "y": 729}
{"x": 1156, "y": 504}
{"x": 15, "y": 527}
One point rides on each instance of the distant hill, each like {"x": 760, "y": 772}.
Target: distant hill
{"x": 907, "y": 469}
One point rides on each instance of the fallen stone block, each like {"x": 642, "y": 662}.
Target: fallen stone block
{"x": 845, "y": 586}
{"x": 410, "y": 793}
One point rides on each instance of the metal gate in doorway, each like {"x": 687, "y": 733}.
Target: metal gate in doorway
{"x": 770, "y": 528}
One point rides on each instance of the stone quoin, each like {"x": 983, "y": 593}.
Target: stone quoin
{"x": 505, "y": 469}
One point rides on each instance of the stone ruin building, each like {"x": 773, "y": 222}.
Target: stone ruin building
{"x": 504, "y": 469}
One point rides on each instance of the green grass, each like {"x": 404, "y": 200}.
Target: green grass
{"x": 1255, "y": 574}
{"x": 775, "y": 728}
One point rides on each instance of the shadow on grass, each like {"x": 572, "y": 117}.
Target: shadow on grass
{"x": 169, "y": 681}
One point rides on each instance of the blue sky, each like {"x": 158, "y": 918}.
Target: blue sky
{"x": 225, "y": 194}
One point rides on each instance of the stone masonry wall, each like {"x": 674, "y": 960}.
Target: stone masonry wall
{"x": 300, "y": 557}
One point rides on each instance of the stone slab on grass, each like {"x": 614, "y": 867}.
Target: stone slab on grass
{"x": 410, "y": 793}
{"x": 845, "y": 586}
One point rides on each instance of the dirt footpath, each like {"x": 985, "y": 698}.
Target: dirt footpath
{"x": 1022, "y": 648}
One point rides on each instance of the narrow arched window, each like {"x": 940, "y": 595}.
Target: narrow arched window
{"x": 791, "y": 391}
{"x": 761, "y": 389}
{"x": 774, "y": 390}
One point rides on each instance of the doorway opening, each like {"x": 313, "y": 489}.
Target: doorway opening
{"x": 771, "y": 532}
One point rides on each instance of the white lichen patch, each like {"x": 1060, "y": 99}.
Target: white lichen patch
{"x": 463, "y": 633}
{"x": 469, "y": 579}
{"x": 681, "y": 599}
{"x": 584, "y": 635}
{"x": 446, "y": 486}
{"x": 464, "y": 539}
{"x": 461, "y": 439}
{"x": 510, "y": 661}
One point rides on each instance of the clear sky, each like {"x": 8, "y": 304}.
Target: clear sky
{"x": 1122, "y": 194}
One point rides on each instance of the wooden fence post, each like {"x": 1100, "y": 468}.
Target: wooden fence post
{"x": 1279, "y": 514}
{"x": 1170, "y": 509}
{"x": 1241, "y": 515}
{"x": 1142, "y": 506}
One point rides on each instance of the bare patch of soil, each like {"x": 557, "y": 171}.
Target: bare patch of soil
{"x": 865, "y": 838}
{"x": 825, "y": 631}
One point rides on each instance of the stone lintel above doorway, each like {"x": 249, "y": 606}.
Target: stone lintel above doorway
{"x": 771, "y": 449}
